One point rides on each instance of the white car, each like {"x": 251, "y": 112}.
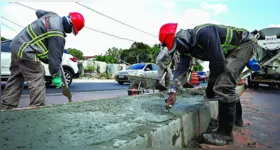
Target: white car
{"x": 69, "y": 63}
{"x": 147, "y": 69}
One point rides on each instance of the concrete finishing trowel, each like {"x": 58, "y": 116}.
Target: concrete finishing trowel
{"x": 66, "y": 91}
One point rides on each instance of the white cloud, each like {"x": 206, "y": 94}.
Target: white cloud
{"x": 217, "y": 8}
{"x": 144, "y": 14}
{"x": 194, "y": 17}
{"x": 170, "y": 5}
{"x": 274, "y": 25}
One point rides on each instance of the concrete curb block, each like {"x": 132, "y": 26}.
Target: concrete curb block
{"x": 177, "y": 133}
{"x": 180, "y": 132}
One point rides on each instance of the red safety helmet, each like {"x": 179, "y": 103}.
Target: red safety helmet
{"x": 77, "y": 20}
{"x": 167, "y": 33}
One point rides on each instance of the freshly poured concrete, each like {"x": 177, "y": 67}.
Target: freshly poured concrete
{"x": 99, "y": 123}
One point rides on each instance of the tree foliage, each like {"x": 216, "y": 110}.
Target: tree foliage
{"x": 4, "y": 39}
{"x": 76, "y": 53}
{"x": 137, "y": 53}
{"x": 140, "y": 52}
{"x": 107, "y": 59}
{"x": 197, "y": 66}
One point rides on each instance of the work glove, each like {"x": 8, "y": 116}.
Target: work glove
{"x": 170, "y": 101}
{"x": 57, "y": 81}
{"x": 209, "y": 89}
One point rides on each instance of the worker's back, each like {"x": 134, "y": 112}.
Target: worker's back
{"x": 229, "y": 38}
{"x": 32, "y": 41}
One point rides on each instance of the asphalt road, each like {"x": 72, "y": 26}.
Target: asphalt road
{"x": 85, "y": 86}
{"x": 81, "y": 91}
{"x": 262, "y": 112}
{"x": 82, "y": 87}
{"x": 261, "y": 115}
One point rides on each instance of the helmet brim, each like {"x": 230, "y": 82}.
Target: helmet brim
{"x": 173, "y": 48}
{"x": 74, "y": 32}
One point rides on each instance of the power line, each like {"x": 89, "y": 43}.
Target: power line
{"x": 116, "y": 20}
{"x": 84, "y": 27}
{"x": 25, "y": 6}
{"x": 111, "y": 34}
{"x": 8, "y": 27}
{"x": 12, "y": 22}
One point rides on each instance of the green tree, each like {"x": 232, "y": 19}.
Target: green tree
{"x": 99, "y": 58}
{"x": 4, "y": 39}
{"x": 140, "y": 52}
{"x": 76, "y": 53}
{"x": 107, "y": 59}
{"x": 197, "y": 66}
{"x": 154, "y": 51}
{"x": 114, "y": 52}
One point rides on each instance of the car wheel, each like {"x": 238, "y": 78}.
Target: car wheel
{"x": 68, "y": 76}
{"x": 120, "y": 82}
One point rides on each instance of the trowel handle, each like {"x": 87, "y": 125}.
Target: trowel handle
{"x": 63, "y": 76}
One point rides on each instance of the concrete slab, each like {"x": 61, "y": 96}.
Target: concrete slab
{"x": 135, "y": 121}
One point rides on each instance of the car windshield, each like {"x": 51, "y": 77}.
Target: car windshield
{"x": 201, "y": 73}
{"x": 65, "y": 51}
{"x": 136, "y": 67}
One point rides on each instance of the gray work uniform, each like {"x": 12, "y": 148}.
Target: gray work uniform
{"x": 42, "y": 40}
{"x": 228, "y": 49}
{"x": 163, "y": 60}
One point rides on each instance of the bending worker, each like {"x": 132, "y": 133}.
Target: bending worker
{"x": 228, "y": 49}
{"x": 42, "y": 40}
{"x": 163, "y": 61}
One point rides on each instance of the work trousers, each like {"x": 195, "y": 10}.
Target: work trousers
{"x": 23, "y": 70}
{"x": 225, "y": 85}
{"x": 167, "y": 79}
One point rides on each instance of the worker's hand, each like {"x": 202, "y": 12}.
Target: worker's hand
{"x": 170, "y": 101}
{"x": 57, "y": 81}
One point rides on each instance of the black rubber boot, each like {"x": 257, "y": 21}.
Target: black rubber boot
{"x": 223, "y": 135}
{"x": 238, "y": 116}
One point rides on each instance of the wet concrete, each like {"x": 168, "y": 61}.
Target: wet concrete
{"x": 92, "y": 123}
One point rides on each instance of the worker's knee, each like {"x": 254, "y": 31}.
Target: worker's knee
{"x": 225, "y": 86}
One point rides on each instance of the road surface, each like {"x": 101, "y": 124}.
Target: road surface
{"x": 83, "y": 86}
{"x": 261, "y": 114}
{"x": 82, "y": 91}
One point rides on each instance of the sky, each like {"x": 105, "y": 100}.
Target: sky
{"x": 146, "y": 15}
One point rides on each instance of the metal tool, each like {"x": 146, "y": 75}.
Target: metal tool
{"x": 66, "y": 91}
{"x": 187, "y": 84}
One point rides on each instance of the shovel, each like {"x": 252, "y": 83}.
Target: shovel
{"x": 187, "y": 84}
{"x": 66, "y": 91}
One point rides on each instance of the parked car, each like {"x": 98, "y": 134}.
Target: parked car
{"x": 69, "y": 63}
{"x": 147, "y": 69}
{"x": 202, "y": 76}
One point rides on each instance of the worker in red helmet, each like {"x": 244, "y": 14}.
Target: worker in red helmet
{"x": 164, "y": 61}
{"x": 228, "y": 49}
{"x": 42, "y": 40}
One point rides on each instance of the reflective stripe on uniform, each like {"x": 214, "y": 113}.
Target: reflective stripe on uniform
{"x": 33, "y": 36}
{"x": 37, "y": 40}
{"x": 227, "y": 46}
{"x": 229, "y": 35}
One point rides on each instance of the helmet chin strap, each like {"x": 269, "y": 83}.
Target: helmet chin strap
{"x": 73, "y": 31}
{"x": 70, "y": 22}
